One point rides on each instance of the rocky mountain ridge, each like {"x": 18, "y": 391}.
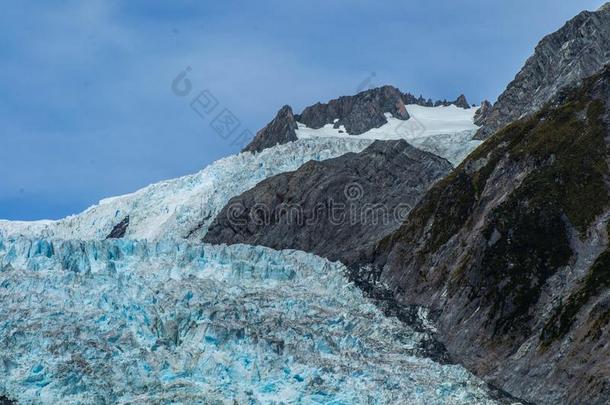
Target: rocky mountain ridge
{"x": 576, "y": 51}
{"x": 508, "y": 255}
{"x": 511, "y": 252}
{"x": 338, "y": 208}
{"x": 357, "y": 114}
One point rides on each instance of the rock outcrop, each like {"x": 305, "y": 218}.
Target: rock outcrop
{"x": 279, "y": 131}
{"x": 481, "y": 114}
{"x": 337, "y": 208}
{"x": 357, "y": 114}
{"x": 119, "y": 229}
{"x": 409, "y": 98}
{"x": 461, "y": 102}
{"x": 578, "y": 50}
{"x": 511, "y": 252}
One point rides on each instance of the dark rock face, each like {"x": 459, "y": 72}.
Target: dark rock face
{"x": 481, "y": 114}
{"x": 119, "y": 229}
{"x": 279, "y": 131}
{"x": 5, "y": 401}
{"x": 578, "y": 50}
{"x": 359, "y": 113}
{"x": 512, "y": 252}
{"x": 409, "y": 98}
{"x": 461, "y": 102}
{"x": 338, "y": 208}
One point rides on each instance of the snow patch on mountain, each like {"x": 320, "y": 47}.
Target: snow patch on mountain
{"x": 174, "y": 208}
{"x": 446, "y": 131}
{"x": 186, "y": 206}
{"x": 123, "y": 321}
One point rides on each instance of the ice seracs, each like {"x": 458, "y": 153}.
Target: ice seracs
{"x": 153, "y": 319}
{"x": 123, "y": 321}
{"x": 185, "y": 206}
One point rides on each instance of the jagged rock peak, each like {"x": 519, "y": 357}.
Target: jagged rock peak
{"x": 358, "y": 113}
{"x": 409, "y": 98}
{"x": 577, "y": 50}
{"x": 279, "y": 131}
{"x": 461, "y": 102}
{"x": 481, "y": 114}
{"x": 367, "y": 109}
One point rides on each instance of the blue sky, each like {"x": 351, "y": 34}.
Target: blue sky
{"x": 88, "y": 110}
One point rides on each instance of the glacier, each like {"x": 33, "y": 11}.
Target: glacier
{"x": 152, "y": 318}
{"x": 185, "y": 206}
{"x": 139, "y": 322}
{"x": 446, "y": 131}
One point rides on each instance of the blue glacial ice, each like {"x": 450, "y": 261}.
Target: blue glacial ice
{"x": 185, "y": 206}
{"x": 136, "y": 322}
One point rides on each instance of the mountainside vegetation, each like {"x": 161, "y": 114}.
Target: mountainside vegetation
{"x": 512, "y": 250}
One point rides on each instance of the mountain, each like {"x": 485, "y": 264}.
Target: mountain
{"x": 511, "y": 253}
{"x": 350, "y": 115}
{"x": 359, "y": 113}
{"x": 115, "y": 305}
{"x": 123, "y": 321}
{"x": 576, "y": 51}
{"x": 446, "y": 131}
{"x": 186, "y": 206}
{"x": 279, "y": 131}
{"x": 183, "y": 207}
{"x": 337, "y": 208}
{"x": 441, "y": 249}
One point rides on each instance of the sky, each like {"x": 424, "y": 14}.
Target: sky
{"x": 96, "y": 96}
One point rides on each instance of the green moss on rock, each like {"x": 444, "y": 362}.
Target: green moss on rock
{"x": 597, "y": 280}
{"x": 569, "y": 151}
{"x": 572, "y": 151}
{"x": 564, "y": 150}
{"x": 530, "y": 245}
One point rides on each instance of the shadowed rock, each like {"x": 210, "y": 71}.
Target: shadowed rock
{"x": 359, "y": 113}
{"x": 119, "y": 229}
{"x": 461, "y": 102}
{"x": 336, "y": 208}
{"x": 511, "y": 251}
{"x": 481, "y": 114}
{"x": 279, "y": 131}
